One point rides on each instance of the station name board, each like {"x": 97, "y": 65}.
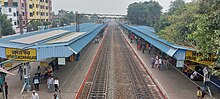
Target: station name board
{"x": 21, "y": 55}
{"x": 197, "y": 57}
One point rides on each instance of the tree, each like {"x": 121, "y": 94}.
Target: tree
{"x": 194, "y": 24}
{"x": 175, "y": 5}
{"x": 6, "y": 26}
{"x": 207, "y": 34}
{"x": 144, "y": 13}
{"x": 33, "y": 26}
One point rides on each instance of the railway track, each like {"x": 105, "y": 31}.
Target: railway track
{"x": 129, "y": 80}
{"x": 98, "y": 89}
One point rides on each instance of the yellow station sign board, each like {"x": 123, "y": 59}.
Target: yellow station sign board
{"x": 196, "y": 57}
{"x": 21, "y": 55}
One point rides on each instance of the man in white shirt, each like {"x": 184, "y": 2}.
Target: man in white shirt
{"x": 34, "y": 95}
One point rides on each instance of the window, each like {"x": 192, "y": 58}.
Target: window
{"x": 6, "y": 4}
{"x": 23, "y": 22}
{"x": 37, "y": 5}
{"x": 23, "y": 13}
{"x": 15, "y": 4}
{"x": 42, "y": 6}
{"x": 18, "y": 22}
{"x": 37, "y": 13}
{"x": 42, "y": 13}
{"x": 17, "y": 13}
{"x": 46, "y": 1}
{"x": 46, "y": 7}
{"x": 14, "y": 14}
{"x": 31, "y": 6}
{"x": 22, "y": 4}
{"x": 31, "y": 14}
{"x": 9, "y": 9}
{"x": 11, "y": 19}
{"x": 15, "y": 23}
{"x": 46, "y": 14}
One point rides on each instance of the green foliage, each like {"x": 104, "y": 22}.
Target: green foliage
{"x": 33, "y": 26}
{"x": 194, "y": 24}
{"x": 144, "y": 13}
{"x": 207, "y": 34}
{"x": 6, "y": 26}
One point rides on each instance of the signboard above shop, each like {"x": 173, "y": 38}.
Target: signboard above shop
{"x": 21, "y": 55}
{"x": 197, "y": 58}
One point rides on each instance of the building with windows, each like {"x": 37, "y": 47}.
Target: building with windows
{"x": 20, "y": 12}
{"x": 10, "y": 9}
{"x": 39, "y": 10}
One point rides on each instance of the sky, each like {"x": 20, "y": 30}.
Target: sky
{"x": 101, "y": 6}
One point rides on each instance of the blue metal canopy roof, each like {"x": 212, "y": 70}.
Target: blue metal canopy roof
{"x": 60, "y": 49}
{"x": 148, "y": 34}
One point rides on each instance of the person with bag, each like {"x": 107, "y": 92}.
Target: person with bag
{"x": 36, "y": 81}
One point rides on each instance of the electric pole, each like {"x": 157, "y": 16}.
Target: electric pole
{"x": 0, "y": 28}
{"x": 77, "y": 21}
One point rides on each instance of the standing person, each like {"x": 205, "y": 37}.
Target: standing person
{"x": 160, "y": 64}
{"x": 150, "y": 48}
{"x": 199, "y": 93}
{"x": 36, "y": 81}
{"x": 143, "y": 47}
{"x": 56, "y": 84}
{"x": 34, "y": 95}
{"x": 20, "y": 71}
{"x": 164, "y": 64}
{"x": 156, "y": 61}
{"x": 152, "y": 61}
{"x": 38, "y": 71}
{"x": 50, "y": 81}
{"x": 6, "y": 90}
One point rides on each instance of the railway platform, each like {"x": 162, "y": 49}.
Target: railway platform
{"x": 70, "y": 77}
{"x": 172, "y": 83}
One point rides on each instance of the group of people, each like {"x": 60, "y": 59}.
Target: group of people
{"x": 160, "y": 63}
{"x": 35, "y": 95}
{"x": 141, "y": 44}
{"x": 53, "y": 84}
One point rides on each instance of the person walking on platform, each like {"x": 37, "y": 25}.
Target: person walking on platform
{"x": 152, "y": 61}
{"x": 160, "y": 64}
{"x": 20, "y": 71}
{"x": 34, "y": 95}
{"x": 36, "y": 81}
{"x": 56, "y": 84}
{"x": 50, "y": 81}
{"x": 149, "y": 48}
{"x": 6, "y": 90}
{"x": 38, "y": 71}
{"x": 97, "y": 40}
{"x": 156, "y": 63}
{"x": 143, "y": 47}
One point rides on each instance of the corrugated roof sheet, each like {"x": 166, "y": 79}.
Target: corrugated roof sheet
{"x": 148, "y": 33}
{"x": 62, "y": 49}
